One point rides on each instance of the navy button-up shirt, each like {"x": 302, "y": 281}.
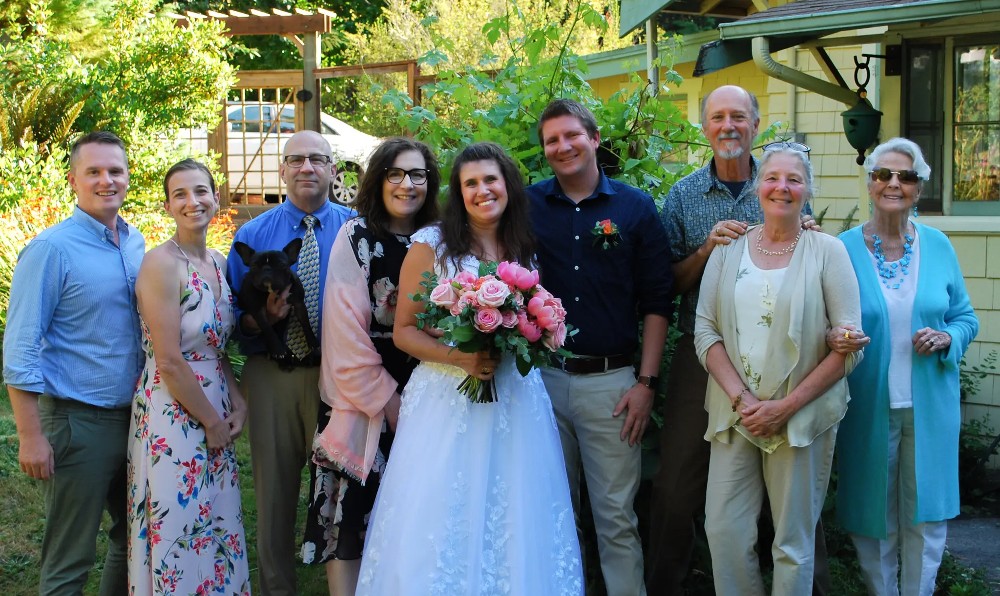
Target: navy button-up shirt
{"x": 605, "y": 290}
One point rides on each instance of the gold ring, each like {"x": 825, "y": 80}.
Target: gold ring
{"x": 847, "y": 335}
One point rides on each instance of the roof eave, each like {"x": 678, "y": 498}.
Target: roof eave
{"x": 854, "y": 19}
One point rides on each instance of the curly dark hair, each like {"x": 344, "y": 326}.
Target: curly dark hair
{"x": 369, "y": 203}
{"x": 514, "y": 233}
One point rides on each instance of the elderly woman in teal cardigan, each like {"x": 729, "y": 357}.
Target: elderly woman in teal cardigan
{"x": 897, "y": 458}
{"x": 777, "y": 392}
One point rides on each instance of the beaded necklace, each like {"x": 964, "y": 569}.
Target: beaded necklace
{"x": 777, "y": 253}
{"x": 889, "y": 271}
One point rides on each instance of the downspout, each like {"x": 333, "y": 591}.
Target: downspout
{"x": 762, "y": 58}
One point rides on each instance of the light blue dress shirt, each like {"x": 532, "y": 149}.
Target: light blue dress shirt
{"x": 73, "y": 323}
{"x": 272, "y": 231}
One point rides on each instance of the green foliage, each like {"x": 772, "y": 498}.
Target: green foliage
{"x": 969, "y": 377}
{"x": 145, "y": 77}
{"x": 639, "y": 131}
{"x": 439, "y": 32}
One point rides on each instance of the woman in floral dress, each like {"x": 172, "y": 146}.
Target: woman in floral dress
{"x": 185, "y": 518}
{"x": 362, "y": 371}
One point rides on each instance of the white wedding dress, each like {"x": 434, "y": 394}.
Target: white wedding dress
{"x": 475, "y": 498}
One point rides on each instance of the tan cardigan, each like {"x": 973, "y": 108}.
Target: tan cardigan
{"x": 819, "y": 291}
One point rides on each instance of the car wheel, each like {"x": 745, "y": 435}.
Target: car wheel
{"x": 344, "y": 186}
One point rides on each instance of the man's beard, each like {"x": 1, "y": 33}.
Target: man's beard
{"x": 729, "y": 153}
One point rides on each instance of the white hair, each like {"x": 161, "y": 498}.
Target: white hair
{"x": 904, "y": 147}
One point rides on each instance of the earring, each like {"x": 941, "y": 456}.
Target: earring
{"x": 915, "y": 214}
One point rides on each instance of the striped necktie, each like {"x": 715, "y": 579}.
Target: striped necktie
{"x": 309, "y": 276}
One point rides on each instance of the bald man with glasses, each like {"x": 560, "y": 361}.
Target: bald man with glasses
{"x": 284, "y": 401}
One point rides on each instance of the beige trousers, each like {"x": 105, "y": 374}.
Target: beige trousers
{"x": 590, "y": 440}
{"x": 796, "y": 479}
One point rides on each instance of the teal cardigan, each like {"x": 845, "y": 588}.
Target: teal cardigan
{"x": 941, "y": 303}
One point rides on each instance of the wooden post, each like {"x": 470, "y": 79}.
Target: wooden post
{"x": 310, "y": 88}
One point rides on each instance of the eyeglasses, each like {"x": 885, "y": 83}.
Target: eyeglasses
{"x": 787, "y": 145}
{"x": 395, "y": 175}
{"x": 297, "y": 161}
{"x": 885, "y": 175}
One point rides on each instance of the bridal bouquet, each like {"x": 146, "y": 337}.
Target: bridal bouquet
{"x": 504, "y": 309}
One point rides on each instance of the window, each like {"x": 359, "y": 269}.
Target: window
{"x": 977, "y": 122}
{"x": 925, "y": 116}
{"x": 967, "y": 180}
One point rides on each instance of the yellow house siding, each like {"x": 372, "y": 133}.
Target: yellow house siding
{"x": 841, "y": 182}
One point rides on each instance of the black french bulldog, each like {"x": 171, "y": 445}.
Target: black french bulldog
{"x": 271, "y": 271}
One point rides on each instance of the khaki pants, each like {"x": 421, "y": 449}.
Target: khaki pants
{"x": 590, "y": 439}
{"x": 283, "y": 408}
{"x": 90, "y": 446}
{"x": 795, "y": 479}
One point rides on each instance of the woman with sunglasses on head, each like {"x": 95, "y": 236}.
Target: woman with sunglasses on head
{"x": 898, "y": 445}
{"x": 362, "y": 373}
{"x": 776, "y": 392}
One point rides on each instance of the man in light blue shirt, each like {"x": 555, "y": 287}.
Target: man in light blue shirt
{"x": 72, "y": 355}
{"x": 284, "y": 404}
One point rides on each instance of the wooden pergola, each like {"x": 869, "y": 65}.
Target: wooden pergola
{"x": 303, "y": 28}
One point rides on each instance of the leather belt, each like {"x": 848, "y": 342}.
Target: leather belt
{"x": 587, "y": 365}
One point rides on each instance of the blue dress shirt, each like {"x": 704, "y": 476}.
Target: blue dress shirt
{"x": 605, "y": 291}
{"x": 73, "y": 323}
{"x": 272, "y": 231}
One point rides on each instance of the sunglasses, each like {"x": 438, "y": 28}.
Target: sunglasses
{"x": 417, "y": 175}
{"x": 885, "y": 175}
{"x": 787, "y": 145}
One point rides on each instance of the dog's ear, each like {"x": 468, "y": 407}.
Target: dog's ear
{"x": 292, "y": 250}
{"x": 245, "y": 252}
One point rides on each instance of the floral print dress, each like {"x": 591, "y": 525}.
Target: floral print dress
{"x": 184, "y": 512}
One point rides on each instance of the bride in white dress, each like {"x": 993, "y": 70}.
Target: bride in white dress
{"x": 474, "y": 499}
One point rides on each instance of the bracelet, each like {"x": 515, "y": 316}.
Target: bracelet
{"x": 739, "y": 398}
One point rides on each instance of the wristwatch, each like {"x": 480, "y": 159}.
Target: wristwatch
{"x": 648, "y": 381}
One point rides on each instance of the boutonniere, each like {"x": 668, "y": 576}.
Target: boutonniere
{"x": 606, "y": 234}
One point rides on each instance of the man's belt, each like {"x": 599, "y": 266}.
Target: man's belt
{"x": 587, "y": 365}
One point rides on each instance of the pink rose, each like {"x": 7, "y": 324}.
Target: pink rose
{"x": 509, "y": 318}
{"x": 444, "y": 295}
{"x": 466, "y": 279}
{"x": 529, "y": 330}
{"x": 492, "y": 292}
{"x": 555, "y": 338}
{"x": 488, "y": 319}
{"x": 467, "y": 298}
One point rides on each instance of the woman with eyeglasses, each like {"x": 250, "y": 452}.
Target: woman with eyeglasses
{"x": 897, "y": 457}
{"x": 362, "y": 372}
{"x": 776, "y": 392}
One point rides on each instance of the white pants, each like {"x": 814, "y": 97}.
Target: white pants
{"x": 796, "y": 479}
{"x": 919, "y": 546}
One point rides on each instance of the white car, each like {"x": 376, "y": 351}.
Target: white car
{"x": 256, "y": 136}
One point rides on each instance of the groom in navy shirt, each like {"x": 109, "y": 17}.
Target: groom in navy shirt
{"x": 604, "y": 252}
